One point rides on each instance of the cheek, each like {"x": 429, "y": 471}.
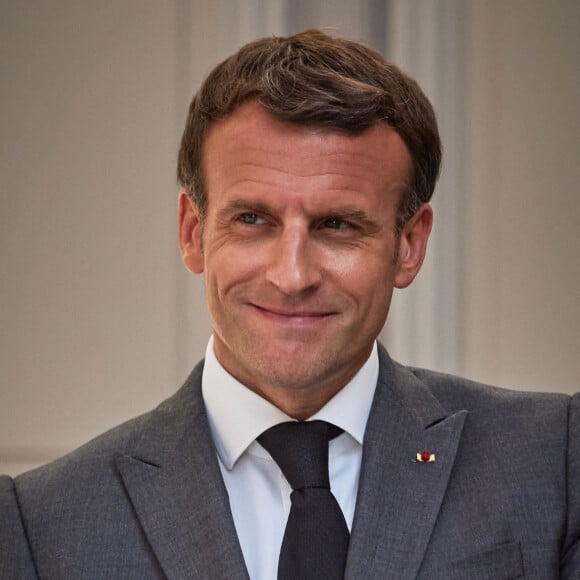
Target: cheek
{"x": 344, "y": 265}
{"x": 364, "y": 273}
{"x": 373, "y": 287}
{"x": 230, "y": 266}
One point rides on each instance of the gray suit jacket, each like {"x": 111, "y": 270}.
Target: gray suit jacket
{"x": 146, "y": 500}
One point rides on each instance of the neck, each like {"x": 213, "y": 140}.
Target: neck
{"x": 299, "y": 403}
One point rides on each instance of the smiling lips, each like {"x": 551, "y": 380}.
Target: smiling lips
{"x": 298, "y": 316}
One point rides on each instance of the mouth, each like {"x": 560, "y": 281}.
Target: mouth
{"x": 301, "y": 316}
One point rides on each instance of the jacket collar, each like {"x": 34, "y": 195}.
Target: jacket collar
{"x": 176, "y": 488}
{"x": 399, "y": 498}
{"x": 175, "y": 485}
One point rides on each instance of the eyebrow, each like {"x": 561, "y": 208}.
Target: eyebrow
{"x": 355, "y": 215}
{"x": 245, "y": 204}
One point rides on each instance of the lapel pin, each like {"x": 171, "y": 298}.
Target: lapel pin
{"x": 425, "y": 457}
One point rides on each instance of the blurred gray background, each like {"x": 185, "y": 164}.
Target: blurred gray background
{"x": 100, "y": 321}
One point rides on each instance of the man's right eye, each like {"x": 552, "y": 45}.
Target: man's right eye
{"x": 250, "y": 219}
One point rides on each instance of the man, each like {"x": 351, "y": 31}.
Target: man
{"x": 306, "y": 166}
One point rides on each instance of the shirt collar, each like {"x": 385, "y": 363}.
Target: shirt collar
{"x": 237, "y": 415}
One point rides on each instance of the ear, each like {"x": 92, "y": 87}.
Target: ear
{"x": 190, "y": 240}
{"x": 413, "y": 246}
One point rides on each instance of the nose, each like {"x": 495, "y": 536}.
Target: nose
{"x": 293, "y": 267}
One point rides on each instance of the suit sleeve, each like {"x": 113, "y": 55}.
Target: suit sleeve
{"x": 15, "y": 558}
{"x": 571, "y": 555}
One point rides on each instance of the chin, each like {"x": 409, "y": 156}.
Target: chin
{"x": 292, "y": 375}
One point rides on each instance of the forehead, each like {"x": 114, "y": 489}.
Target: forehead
{"x": 251, "y": 145}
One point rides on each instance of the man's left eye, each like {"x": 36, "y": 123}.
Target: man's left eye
{"x": 336, "y": 224}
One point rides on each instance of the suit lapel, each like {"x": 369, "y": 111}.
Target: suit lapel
{"x": 399, "y": 498}
{"x": 175, "y": 485}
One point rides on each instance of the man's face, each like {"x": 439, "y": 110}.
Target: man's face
{"x": 298, "y": 250}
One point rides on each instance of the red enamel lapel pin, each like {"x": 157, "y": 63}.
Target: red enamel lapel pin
{"x": 425, "y": 457}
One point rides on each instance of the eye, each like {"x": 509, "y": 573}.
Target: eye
{"x": 336, "y": 224}
{"x": 251, "y": 219}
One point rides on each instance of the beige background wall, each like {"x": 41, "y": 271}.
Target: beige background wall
{"x": 98, "y": 319}
{"x": 522, "y": 293}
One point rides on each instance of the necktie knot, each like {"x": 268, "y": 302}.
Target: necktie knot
{"x": 301, "y": 451}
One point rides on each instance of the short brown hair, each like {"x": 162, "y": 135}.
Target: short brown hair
{"x": 316, "y": 80}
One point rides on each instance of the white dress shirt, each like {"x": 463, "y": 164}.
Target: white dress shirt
{"x": 258, "y": 491}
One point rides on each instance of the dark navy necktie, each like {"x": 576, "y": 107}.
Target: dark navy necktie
{"x": 316, "y": 537}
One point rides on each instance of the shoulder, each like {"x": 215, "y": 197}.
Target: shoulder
{"x": 534, "y": 430}
{"x": 86, "y": 467}
{"x": 453, "y": 391}
{"x": 501, "y": 410}
{"x": 490, "y": 410}
{"x": 62, "y": 507}
{"x": 92, "y": 466}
